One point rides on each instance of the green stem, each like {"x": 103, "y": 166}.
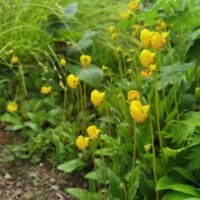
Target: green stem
{"x": 154, "y": 158}
{"x": 134, "y": 143}
{"x": 157, "y": 110}
{"x": 159, "y": 64}
{"x": 173, "y": 80}
{"x": 23, "y": 83}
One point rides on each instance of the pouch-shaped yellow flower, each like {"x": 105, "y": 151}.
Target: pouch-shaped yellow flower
{"x": 112, "y": 29}
{"x": 97, "y": 97}
{"x": 159, "y": 40}
{"x": 72, "y": 81}
{"x": 147, "y": 58}
{"x": 82, "y": 142}
{"x": 63, "y": 62}
{"x": 134, "y": 5}
{"x": 15, "y": 60}
{"x": 12, "y": 107}
{"x": 126, "y": 15}
{"x": 139, "y": 112}
{"x": 85, "y": 60}
{"x": 133, "y": 95}
{"x": 145, "y": 37}
{"x": 93, "y": 132}
{"x": 46, "y": 89}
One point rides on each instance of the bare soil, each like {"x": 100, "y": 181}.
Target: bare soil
{"x": 26, "y": 181}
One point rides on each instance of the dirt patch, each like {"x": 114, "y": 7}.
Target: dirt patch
{"x": 26, "y": 181}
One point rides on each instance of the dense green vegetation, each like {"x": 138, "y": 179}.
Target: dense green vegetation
{"x": 129, "y": 117}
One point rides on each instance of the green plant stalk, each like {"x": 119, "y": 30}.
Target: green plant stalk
{"x": 104, "y": 167}
{"x": 125, "y": 194}
{"x": 108, "y": 125}
{"x": 82, "y": 106}
{"x": 157, "y": 110}
{"x": 159, "y": 64}
{"x": 23, "y": 83}
{"x": 173, "y": 80}
{"x": 125, "y": 68}
{"x": 137, "y": 75}
{"x": 119, "y": 66}
{"x": 65, "y": 104}
{"x": 154, "y": 157}
{"x": 53, "y": 100}
{"x": 96, "y": 170}
{"x": 78, "y": 108}
{"x": 134, "y": 143}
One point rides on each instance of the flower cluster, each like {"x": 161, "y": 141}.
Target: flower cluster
{"x": 112, "y": 32}
{"x": 83, "y": 142}
{"x": 155, "y": 40}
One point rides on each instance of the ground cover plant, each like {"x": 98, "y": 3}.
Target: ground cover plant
{"x": 106, "y": 89}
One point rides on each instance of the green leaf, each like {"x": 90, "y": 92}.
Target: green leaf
{"x": 105, "y": 152}
{"x": 109, "y": 119}
{"x": 168, "y": 182}
{"x": 71, "y": 165}
{"x": 11, "y": 118}
{"x": 70, "y": 10}
{"x": 82, "y": 194}
{"x": 133, "y": 182}
{"x": 92, "y": 75}
{"x": 172, "y": 195}
{"x": 84, "y": 43}
{"x": 186, "y": 174}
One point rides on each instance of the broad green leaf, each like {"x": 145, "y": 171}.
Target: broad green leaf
{"x": 173, "y": 195}
{"x": 92, "y": 75}
{"x": 11, "y": 118}
{"x": 71, "y": 165}
{"x": 84, "y": 43}
{"x": 70, "y": 10}
{"x": 109, "y": 119}
{"x": 82, "y": 194}
{"x": 104, "y": 152}
{"x": 186, "y": 173}
{"x": 133, "y": 182}
{"x": 167, "y": 182}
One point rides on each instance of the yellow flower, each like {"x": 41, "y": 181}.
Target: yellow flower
{"x": 139, "y": 112}
{"x": 152, "y": 67}
{"x": 63, "y": 62}
{"x": 93, "y": 132}
{"x": 85, "y": 60}
{"x": 133, "y": 95}
{"x": 159, "y": 40}
{"x": 12, "y": 106}
{"x": 146, "y": 73}
{"x": 160, "y": 25}
{"x": 45, "y": 89}
{"x": 134, "y": 5}
{"x": 97, "y": 97}
{"x": 82, "y": 142}
{"x": 111, "y": 29}
{"x": 147, "y": 58}
{"x": 72, "y": 81}
{"x": 15, "y": 60}
{"x": 126, "y": 15}
{"x": 113, "y": 36}
{"x": 145, "y": 37}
